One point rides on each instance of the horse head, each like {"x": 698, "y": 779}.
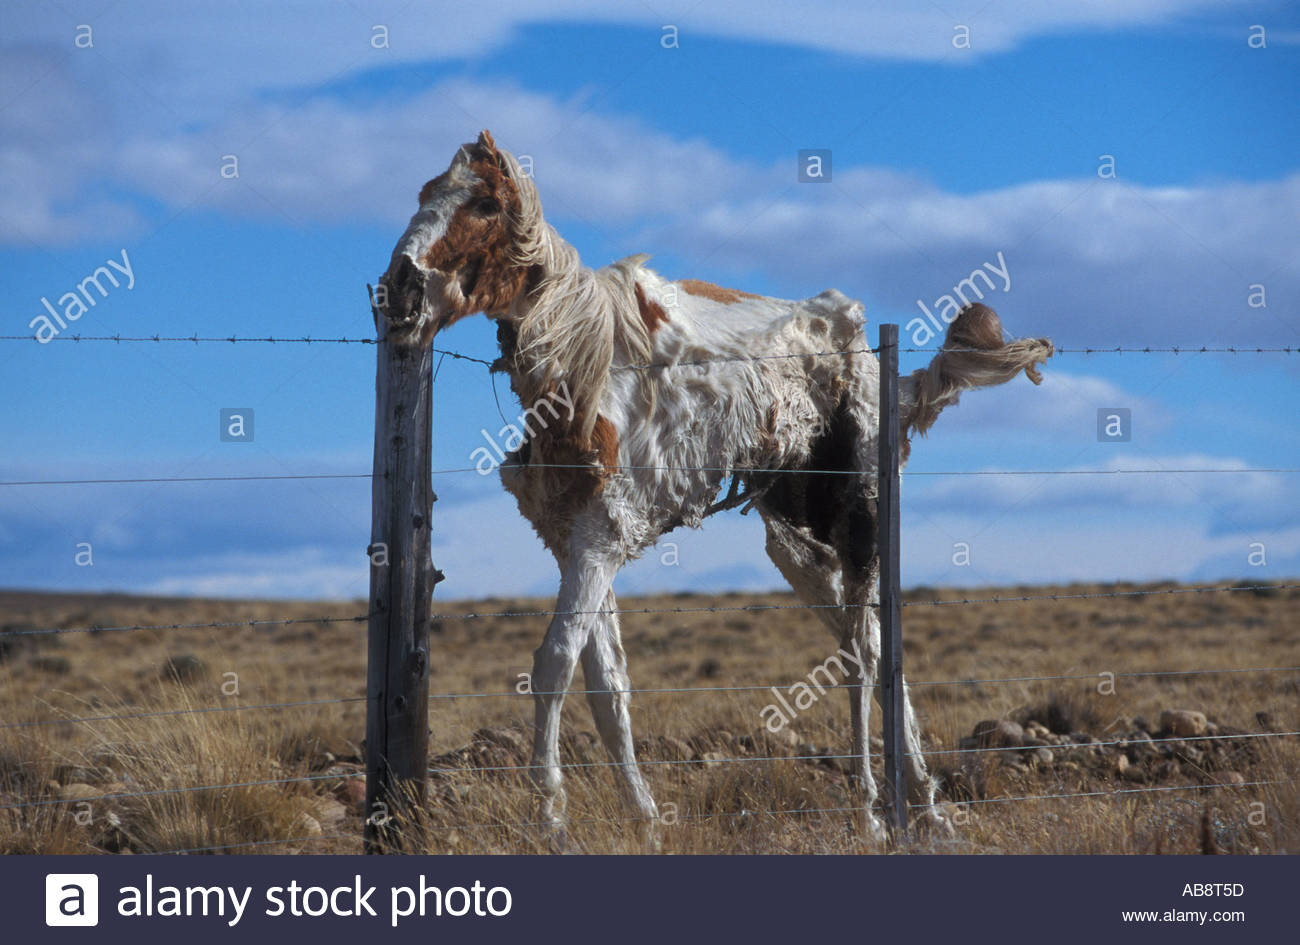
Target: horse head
{"x": 461, "y": 253}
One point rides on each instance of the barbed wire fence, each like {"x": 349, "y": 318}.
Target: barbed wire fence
{"x": 509, "y": 694}
{"x": 816, "y": 757}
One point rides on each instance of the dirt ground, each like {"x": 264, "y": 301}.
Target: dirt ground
{"x": 1170, "y": 764}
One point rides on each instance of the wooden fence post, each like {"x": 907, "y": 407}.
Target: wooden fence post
{"x": 891, "y": 642}
{"x": 402, "y": 578}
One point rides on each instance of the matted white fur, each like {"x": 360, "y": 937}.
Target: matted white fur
{"x": 717, "y": 390}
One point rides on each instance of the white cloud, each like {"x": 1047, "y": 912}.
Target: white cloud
{"x": 1063, "y": 407}
{"x": 1090, "y": 261}
{"x": 173, "y": 53}
{"x": 1088, "y": 548}
{"x": 275, "y": 544}
{"x": 308, "y": 572}
{"x": 327, "y": 160}
{"x": 52, "y": 142}
{"x": 1181, "y": 485}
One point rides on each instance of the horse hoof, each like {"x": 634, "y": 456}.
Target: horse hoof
{"x": 874, "y": 829}
{"x": 938, "y": 824}
{"x": 556, "y": 839}
{"x": 552, "y": 834}
{"x": 651, "y": 839}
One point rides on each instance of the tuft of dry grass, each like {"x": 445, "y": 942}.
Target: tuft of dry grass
{"x": 162, "y": 713}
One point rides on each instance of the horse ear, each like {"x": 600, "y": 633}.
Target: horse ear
{"x": 486, "y": 144}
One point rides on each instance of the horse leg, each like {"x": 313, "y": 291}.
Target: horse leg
{"x": 584, "y": 583}
{"x": 604, "y": 666}
{"x": 860, "y": 638}
{"x": 813, "y": 570}
{"x": 920, "y": 785}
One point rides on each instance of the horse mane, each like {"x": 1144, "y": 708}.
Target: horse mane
{"x": 973, "y": 355}
{"x": 576, "y": 321}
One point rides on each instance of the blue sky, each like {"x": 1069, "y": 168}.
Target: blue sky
{"x": 958, "y": 132}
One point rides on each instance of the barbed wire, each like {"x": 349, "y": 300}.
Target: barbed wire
{"x": 1101, "y": 595}
{"x": 757, "y": 812}
{"x": 758, "y": 687}
{"x": 1173, "y": 349}
{"x": 163, "y": 792}
{"x": 1087, "y": 350}
{"x": 1095, "y": 472}
{"x": 1111, "y": 743}
{"x": 732, "y": 359}
{"x": 158, "y": 479}
{"x": 43, "y": 631}
{"x": 197, "y": 339}
{"x": 494, "y": 366}
{"x": 726, "y": 470}
{"x": 845, "y": 685}
{"x": 819, "y": 757}
{"x": 200, "y": 339}
{"x": 1133, "y": 675}
{"x": 249, "y": 843}
{"x": 457, "y": 356}
{"x": 1123, "y": 791}
{"x": 571, "y": 765}
{"x": 761, "y": 687}
{"x": 746, "y": 813}
{"x": 748, "y": 608}
{"x": 202, "y": 710}
{"x": 641, "y": 611}
{"x": 831, "y": 756}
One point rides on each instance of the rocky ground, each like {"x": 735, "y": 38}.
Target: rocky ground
{"x": 1152, "y": 763}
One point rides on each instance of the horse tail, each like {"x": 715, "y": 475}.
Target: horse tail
{"x": 973, "y": 355}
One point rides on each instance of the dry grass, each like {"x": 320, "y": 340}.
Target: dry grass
{"x": 710, "y": 806}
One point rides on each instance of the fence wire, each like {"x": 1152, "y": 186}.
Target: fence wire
{"x": 635, "y": 611}
{"x": 202, "y": 710}
{"x": 831, "y": 756}
{"x": 747, "y": 814}
{"x": 197, "y": 339}
{"x": 193, "y": 789}
{"x": 46, "y": 631}
{"x": 726, "y": 471}
{"x": 661, "y": 690}
{"x": 759, "y": 687}
{"x": 1120, "y": 792}
{"x": 817, "y": 757}
{"x": 759, "y": 608}
{"x": 443, "y": 772}
{"x": 251, "y": 843}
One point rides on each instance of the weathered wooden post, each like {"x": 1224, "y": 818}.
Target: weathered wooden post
{"x": 891, "y": 642}
{"x": 402, "y": 578}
